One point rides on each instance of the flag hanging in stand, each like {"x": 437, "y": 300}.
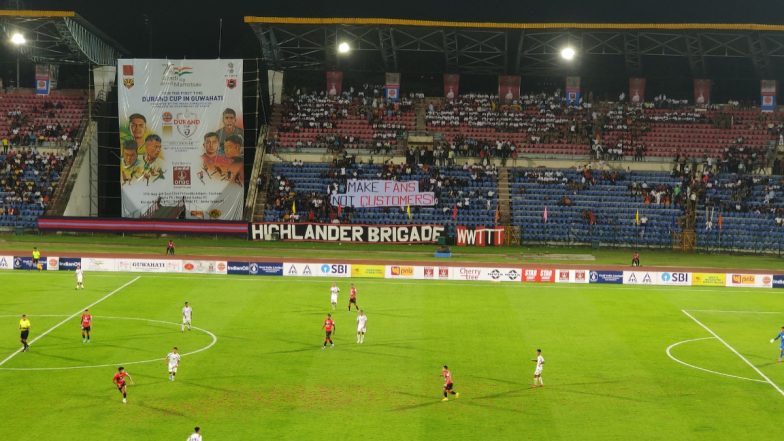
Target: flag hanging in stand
{"x": 408, "y": 211}
{"x": 454, "y": 213}
{"x": 544, "y": 215}
{"x": 637, "y": 218}
{"x": 294, "y": 207}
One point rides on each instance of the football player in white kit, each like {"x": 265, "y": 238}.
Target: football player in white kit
{"x": 333, "y": 295}
{"x": 187, "y": 314}
{"x": 539, "y": 360}
{"x": 173, "y": 360}
{"x": 196, "y": 435}
{"x": 79, "y": 277}
{"x": 361, "y": 326}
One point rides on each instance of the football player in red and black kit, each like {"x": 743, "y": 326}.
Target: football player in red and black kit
{"x": 329, "y": 328}
{"x": 448, "y": 385}
{"x": 119, "y": 381}
{"x": 352, "y": 299}
{"x": 87, "y": 321}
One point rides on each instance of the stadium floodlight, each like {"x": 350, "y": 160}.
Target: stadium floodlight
{"x": 568, "y": 53}
{"x": 344, "y": 48}
{"x": 18, "y": 39}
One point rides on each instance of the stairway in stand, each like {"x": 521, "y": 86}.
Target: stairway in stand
{"x": 504, "y": 201}
{"x": 420, "y": 108}
{"x": 261, "y": 196}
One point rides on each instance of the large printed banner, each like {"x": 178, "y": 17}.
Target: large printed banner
{"x": 572, "y": 90}
{"x": 768, "y": 92}
{"x": 539, "y": 275}
{"x": 571, "y": 276}
{"x": 392, "y": 86}
{"x": 750, "y": 280}
{"x": 656, "y": 278}
{"x": 269, "y": 231}
{"x": 451, "y": 85}
{"x": 702, "y": 92}
{"x": 181, "y": 136}
{"x": 6, "y": 263}
{"x": 374, "y": 193}
{"x": 479, "y": 236}
{"x": 334, "y": 83}
{"x": 636, "y": 90}
{"x": 204, "y": 266}
{"x": 317, "y": 269}
{"x": 508, "y": 87}
{"x": 708, "y": 279}
{"x": 149, "y": 265}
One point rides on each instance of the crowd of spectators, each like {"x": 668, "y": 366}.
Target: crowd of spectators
{"x": 324, "y": 113}
{"x": 35, "y": 127}
{"x": 28, "y": 179}
{"x": 544, "y": 118}
{"x": 295, "y": 206}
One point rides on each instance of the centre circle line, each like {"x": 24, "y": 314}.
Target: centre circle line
{"x": 211, "y": 344}
{"x": 669, "y": 354}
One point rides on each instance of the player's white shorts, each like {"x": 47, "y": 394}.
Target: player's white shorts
{"x": 361, "y": 329}
{"x": 538, "y": 371}
{"x": 186, "y": 320}
{"x": 333, "y": 299}
{"x": 79, "y": 279}
{"x": 173, "y": 369}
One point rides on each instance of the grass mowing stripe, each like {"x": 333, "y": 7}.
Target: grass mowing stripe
{"x": 70, "y": 317}
{"x": 769, "y": 381}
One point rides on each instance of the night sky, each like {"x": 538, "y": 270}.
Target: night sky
{"x": 183, "y": 29}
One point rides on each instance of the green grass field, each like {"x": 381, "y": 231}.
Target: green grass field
{"x": 607, "y": 375}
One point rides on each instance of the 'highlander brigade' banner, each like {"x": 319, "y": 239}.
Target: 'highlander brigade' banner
{"x": 367, "y": 193}
{"x": 181, "y": 136}
{"x": 346, "y": 233}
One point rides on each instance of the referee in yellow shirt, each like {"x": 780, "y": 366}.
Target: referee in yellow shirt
{"x": 24, "y": 327}
{"x": 36, "y": 259}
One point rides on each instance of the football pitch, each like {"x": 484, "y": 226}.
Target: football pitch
{"x": 645, "y": 363}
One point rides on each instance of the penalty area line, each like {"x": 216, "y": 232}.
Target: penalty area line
{"x": 734, "y": 351}
{"x": 69, "y": 318}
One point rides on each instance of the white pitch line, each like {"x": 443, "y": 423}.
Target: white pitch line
{"x": 735, "y": 312}
{"x": 677, "y": 360}
{"x": 126, "y": 363}
{"x": 768, "y": 380}
{"x": 69, "y": 318}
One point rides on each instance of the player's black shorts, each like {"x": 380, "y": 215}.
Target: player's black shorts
{"x": 24, "y": 334}
{"x": 354, "y": 301}
{"x": 35, "y": 261}
{"x": 120, "y": 386}
{"x": 329, "y": 334}
{"x": 449, "y": 386}
{"x": 86, "y": 328}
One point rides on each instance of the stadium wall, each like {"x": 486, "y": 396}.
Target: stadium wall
{"x": 500, "y": 274}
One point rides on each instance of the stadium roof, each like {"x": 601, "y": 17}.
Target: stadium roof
{"x": 290, "y": 43}
{"x": 60, "y": 37}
